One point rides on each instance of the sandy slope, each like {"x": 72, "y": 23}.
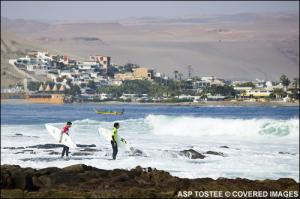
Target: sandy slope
{"x": 242, "y": 46}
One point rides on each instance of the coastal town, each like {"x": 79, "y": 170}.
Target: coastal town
{"x": 60, "y": 79}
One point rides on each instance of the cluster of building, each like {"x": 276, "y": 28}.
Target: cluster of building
{"x": 63, "y": 71}
{"x": 98, "y": 68}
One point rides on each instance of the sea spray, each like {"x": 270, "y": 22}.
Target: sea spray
{"x": 259, "y": 145}
{"x": 204, "y": 126}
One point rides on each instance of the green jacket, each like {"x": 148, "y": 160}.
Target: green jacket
{"x": 115, "y": 134}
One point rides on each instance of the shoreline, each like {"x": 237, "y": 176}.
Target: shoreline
{"x": 207, "y": 103}
{"x": 85, "y": 181}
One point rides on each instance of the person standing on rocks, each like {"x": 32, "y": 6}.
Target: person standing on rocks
{"x": 65, "y": 130}
{"x": 114, "y": 140}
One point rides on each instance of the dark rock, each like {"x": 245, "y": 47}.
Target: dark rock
{"x": 192, "y": 154}
{"x": 46, "y": 146}
{"x": 36, "y": 182}
{"x": 54, "y": 153}
{"x": 51, "y": 159}
{"x": 47, "y": 171}
{"x": 80, "y": 154}
{"x": 90, "y": 150}
{"x": 215, "y": 153}
{"x": 28, "y": 150}
{"x": 85, "y": 145}
{"x": 136, "y": 152}
{"x": 64, "y": 179}
{"x": 121, "y": 178}
{"x": 13, "y": 148}
{"x": 6, "y": 180}
{"x": 137, "y": 171}
{"x": 24, "y": 151}
{"x": 81, "y": 181}
{"x": 43, "y": 181}
{"x": 77, "y": 168}
{"x": 226, "y": 147}
{"x": 287, "y": 181}
{"x": 16, "y": 177}
{"x": 286, "y": 153}
{"x": 21, "y": 135}
{"x": 40, "y": 159}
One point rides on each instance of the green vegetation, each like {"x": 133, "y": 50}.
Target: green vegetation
{"x": 129, "y": 87}
{"x": 295, "y": 91}
{"x": 169, "y": 88}
{"x": 285, "y": 80}
{"x": 153, "y": 89}
{"x": 225, "y": 90}
{"x": 74, "y": 90}
{"x": 278, "y": 93}
{"x": 33, "y": 86}
{"x": 160, "y": 88}
{"x": 92, "y": 85}
{"x": 246, "y": 84}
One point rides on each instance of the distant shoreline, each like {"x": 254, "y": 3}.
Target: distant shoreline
{"x": 207, "y": 103}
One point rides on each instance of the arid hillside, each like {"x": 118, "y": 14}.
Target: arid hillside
{"x": 12, "y": 47}
{"x": 240, "y": 46}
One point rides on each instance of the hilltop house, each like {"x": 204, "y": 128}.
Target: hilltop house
{"x": 137, "y": 74}
{"x": 104, "y": 61}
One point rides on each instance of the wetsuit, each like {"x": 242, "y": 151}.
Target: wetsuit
{"x": 65, "y": 148}
{"x": 114, "y": 143}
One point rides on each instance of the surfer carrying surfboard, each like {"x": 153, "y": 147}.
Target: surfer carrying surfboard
{"x": 114, "y": 140}
{"x": 66, "y": 131}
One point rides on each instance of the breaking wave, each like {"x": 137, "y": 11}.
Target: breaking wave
{"x": 198, "y": 126}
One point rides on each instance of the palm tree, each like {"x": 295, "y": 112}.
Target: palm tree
{"x": 279, "y": 93}
{"x": 243, "y": 93}
{"x": 285, "y": 81}
{"x": 175, "y": 74}
{"x": 296, "y": 82}
{"x": 180, "y": 76}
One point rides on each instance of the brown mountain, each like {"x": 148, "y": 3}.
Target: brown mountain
{"x": 12, "y": 47}
{"x": 241, "y": 46}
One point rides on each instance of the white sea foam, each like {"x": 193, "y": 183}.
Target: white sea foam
{"x": 223, "y": 128}
{"x": 254, "y": 145}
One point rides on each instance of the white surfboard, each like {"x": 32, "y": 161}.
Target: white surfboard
{"x": 56, "y": 133}
{"x": 107, "y": 134}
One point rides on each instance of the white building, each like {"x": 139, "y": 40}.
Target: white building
{"x": 105, "y": 96}
{"x": 258, "y": 93}
{"x": 114, "y": 82}
{"x": 65, "y": 73}
{"x": 52, "y": 76}
{"x": 269, "y": 84}
{"x": 129, "y": 96}
{"x": 88, "y": 65}
{"x": 212, "y": 81}
{"x": 241, "y": 88}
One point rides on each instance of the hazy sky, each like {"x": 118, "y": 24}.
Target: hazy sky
{"x": 92, "y": 10}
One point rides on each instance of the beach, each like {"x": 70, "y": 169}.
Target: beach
{"x": 204, "y": 103}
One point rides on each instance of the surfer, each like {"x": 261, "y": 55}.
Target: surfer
{"x": 65, "y": 130}
{"x": 114, "y": 140}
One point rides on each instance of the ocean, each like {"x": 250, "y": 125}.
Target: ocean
{"x": 258, "y": 142}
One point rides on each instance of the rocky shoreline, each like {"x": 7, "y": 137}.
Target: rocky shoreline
{"x": 86, "y": 181}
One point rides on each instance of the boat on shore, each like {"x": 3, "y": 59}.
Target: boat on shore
{"x": 109, "y": 112}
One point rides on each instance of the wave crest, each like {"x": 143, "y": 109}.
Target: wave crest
{"x": 199, "y": 126}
